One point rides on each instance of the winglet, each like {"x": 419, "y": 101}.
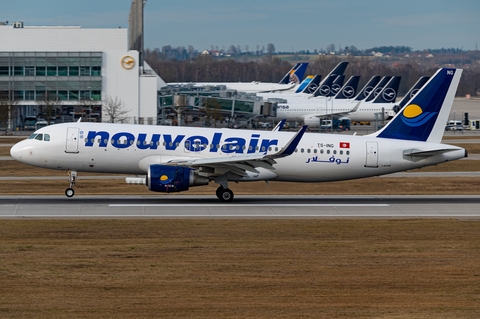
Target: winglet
{"x": 290, "y": 147}
{"x": 279, "y": 126}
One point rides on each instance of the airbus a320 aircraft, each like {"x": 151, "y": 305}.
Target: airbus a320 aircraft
{"x": 172, "y": 159}
{"x": 290, "y": 81}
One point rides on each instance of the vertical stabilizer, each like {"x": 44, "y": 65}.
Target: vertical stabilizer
{"x": 368, "y": 88}
{"x": 378, "y": 88}
{"x": 349, "y": 90}
{"x": 424, "y": 117}
{"x": 296, "y": 74}
{"x": 389, "y": 93}
{"x": 311, "y": 86}
{"x": 337, "y": 85}
{"x": 411, "y": 93}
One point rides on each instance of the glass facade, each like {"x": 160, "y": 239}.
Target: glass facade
{"x": 69, "y": 75}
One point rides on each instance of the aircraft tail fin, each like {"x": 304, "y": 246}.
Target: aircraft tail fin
{"x": 339, "y": 69}
{"x": 324, "y": 88}
{"x": 365, "y": 91}
{"x": 311, "y": 86}
{"x": 296, "y": 74}
{"x": 424, "y": 117}
{"x": 337, "y": 85}
{"x": 389, "y": 93}
{"x": 378, "y": 88}
{"x": 349, "y": 89}
{"x": 411, "y": 93}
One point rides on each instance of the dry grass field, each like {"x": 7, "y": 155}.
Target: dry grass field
{"x": 241, "y": 268}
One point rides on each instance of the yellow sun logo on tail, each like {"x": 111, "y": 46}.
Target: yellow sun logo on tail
{"x": 412, "y": 111}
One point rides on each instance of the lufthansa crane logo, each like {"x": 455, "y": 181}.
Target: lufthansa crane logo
{"x": 348, "y": 92}
{"x": 127, "y": 62}
{"x": 389, "y": 94}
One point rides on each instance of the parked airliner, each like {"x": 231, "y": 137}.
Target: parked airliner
{"x": 172, "y": 159}
{"x": 310, "y": 111}
{"x": 290, "y": 80}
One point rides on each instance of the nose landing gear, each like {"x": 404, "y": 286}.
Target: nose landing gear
{"x": 72, "y": 177}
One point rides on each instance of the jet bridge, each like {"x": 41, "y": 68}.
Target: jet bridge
{"x": 212, "y": 99}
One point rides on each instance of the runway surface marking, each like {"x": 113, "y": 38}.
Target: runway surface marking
{"x": 249, "y": 205}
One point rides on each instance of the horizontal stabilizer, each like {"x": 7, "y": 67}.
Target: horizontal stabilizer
{"x": 422, "y": 153}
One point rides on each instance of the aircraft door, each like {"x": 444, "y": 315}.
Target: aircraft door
{"x": 372, "y": 154}
{"x": 72, "y": 140}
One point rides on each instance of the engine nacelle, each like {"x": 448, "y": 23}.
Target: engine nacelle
{"x": 311, "y": 121}
{"x": 167, "y": 179}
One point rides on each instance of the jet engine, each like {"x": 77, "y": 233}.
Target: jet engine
{"x": 312, "y": 121}
{"x": 169, "y": 179}
{"x": 163, "y": 178}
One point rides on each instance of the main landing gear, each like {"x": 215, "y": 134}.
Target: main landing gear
{"x": 72, "y": 177}
{"x": 224, "y": 194}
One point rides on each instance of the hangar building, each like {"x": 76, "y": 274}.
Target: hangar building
{"x": 76, "y": 65}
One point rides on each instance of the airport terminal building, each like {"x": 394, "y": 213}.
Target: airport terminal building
{"x": 77, "y": 66}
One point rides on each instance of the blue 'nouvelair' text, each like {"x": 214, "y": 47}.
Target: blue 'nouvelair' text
{"x": 195, "y": 143}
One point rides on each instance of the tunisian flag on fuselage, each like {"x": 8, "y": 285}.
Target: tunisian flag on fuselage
{"x": 344, "y": 145}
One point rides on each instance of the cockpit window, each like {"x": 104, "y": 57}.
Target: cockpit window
{"x": 40, "y": 137}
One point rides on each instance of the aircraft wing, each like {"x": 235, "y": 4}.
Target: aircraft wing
{"x": 242, "y": 163}
{"x": 340, "y": 113}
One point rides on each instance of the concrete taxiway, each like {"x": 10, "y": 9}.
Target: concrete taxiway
{"x": 208, "y": 207}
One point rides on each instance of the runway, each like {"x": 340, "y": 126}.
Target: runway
{"x": 261, "y": 207}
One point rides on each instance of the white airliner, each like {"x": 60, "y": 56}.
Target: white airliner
{"x": 311, "y": 110}
{"x": 291, "y": 80}
{"x": 312, "y": 85}
{"x": 172, "y": 159}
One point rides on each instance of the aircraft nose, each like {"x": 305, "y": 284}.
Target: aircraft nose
{"x": 16, "y": 152}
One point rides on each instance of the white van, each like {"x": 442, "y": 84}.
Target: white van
{"x": 40, "y": 124}
{"x": 454, "y": 126}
